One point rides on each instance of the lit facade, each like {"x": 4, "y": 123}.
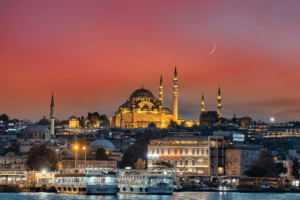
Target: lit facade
{"x": 191, "y": 155}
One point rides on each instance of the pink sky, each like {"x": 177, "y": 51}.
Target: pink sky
{"x": 94, "y": 54}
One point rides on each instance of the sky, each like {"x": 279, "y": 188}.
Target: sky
{"x": 94, "y": 54}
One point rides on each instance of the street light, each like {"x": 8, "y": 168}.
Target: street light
{"x": 57, "y": 150}
{"x": 84, "y": 148}
{"x": 107, "y": 154}
{"x": 76, "y": 147}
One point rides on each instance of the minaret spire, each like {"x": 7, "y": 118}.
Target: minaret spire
{"x": 175, "y": 95}
{"x": 161, "y": 93}
{"x": 219, "y": 102}
{"x": 202, "y": 104}
{"x": 52, "y": 118}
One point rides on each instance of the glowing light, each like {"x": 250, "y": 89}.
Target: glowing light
{"x": 83, "y": 148}
{"x": 272, "y": 119}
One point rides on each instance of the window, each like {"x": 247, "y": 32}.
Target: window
{"x": 180, "y": 151}
{"x": 157, "y": 151}
{"x": 200, "y": 160}
{"x": 193, "y": 152}
{"x": 175, "y": 151}
{"x": 206, "y": 152}
{"x": 175, "y": 162}
{"x": 193, "y": 162}
{"x": 202, "y": 152}
{"x": 150, "y": 162}
{"x": 198, "y": 152}
{"x": 162, "y": 152}
{"x": 220, "y": 170}
{"x": 186, "y": 151}
{"x": 200, "y": 171}
{"x": 212, "y": 161}
{"x": 152, "y": 151}
{"x": 220, "y": 144}
{"x": 169, "y": 151}
{"x": 186, "y": 162}
{"x": 180, "y": 162}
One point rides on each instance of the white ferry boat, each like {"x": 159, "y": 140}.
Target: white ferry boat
{"x": 145, "y": 181}
{"x": 71, "y": 181}
{"x": 102, "y": 180}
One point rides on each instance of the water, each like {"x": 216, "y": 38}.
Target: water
{"x": 181, "y": 195}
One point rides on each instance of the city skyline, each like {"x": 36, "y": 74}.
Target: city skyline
{"x": 93, "y": 55}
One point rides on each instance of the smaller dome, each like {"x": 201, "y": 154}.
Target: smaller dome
{"x": 49, "y": 143}
{"x": 25, "y": 142}
{"x": 37, "y": 128}
{"x": 152, "y": 126}
{"x": 102, "y": 143}
{"x": 73, "y": 118}
{"x": 104, "y": 124}
{"x": 44, "y": 122}
{"x": 37, "y": 143}
{"x": 168, "y": 111}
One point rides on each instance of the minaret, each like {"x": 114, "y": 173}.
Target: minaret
{"x": 202, "y": 105}
{"x": 52, "y": 119}
{"x": 175, "y": 94}
{"x": 219, "y": 103}
{"x": 161, "y": 93}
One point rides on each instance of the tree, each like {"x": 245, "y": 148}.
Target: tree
{"x": 208, "y": 118}
{"x": 140, "y": 164}
{"x": 172, "y": 124}
{"x": 256, "y": 171}
{"x": 245, "y": 120}
{"x": 266, "y": 161}
{"x": 101, "y": 154}
{"x": 295, "y": 168}
{"x": 41, "y": 158}
{"x": 137, "y": 150}
{"x": 161, "y": 164}
{"x": 234, "y": 119}
{"x": 183, "y": 124}
{"x": 4, "y": 117}
{"x": 281, "y": 168}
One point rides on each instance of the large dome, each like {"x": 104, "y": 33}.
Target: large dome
{"x": 44, "y": 122}
{"x": 102, "y": 143}
{"x": 73, "y": 118}
{"x": 36, "y": 128}
{"x": 104, "y": 124}
{"x": 142, "y": 93}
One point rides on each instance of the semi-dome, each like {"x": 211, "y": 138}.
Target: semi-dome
{"x": 152, "y": 125}
{"x": 37, "y": 128}
{"x": 73, "y": 118}
{"x": 37, "y": 143}
{"x": 25, "y": 142}
{"x": 142, "y": 93}
{"x": 104, "y": 124}
{"x": 167, "y": 110}
{"x": 102, "y": 143}
{"x": 44, "y": 122}
{"x": 49, "y": 143}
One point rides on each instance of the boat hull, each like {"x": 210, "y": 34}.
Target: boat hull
{"x": 157, "y": 190}
{"x": 102, "y": 190}
{"x": 71, "y": 189}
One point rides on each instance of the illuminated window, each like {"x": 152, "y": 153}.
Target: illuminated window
{"x": 220, "y": 170}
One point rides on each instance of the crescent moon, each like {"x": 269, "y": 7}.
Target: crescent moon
{"x": 213, "y": 49}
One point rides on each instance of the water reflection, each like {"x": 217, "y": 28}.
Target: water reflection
{"x": 182, "y": 195}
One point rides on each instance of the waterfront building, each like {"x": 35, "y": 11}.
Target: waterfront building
{"x": 89, "y": 163}
{"x": 12, "y": 162}
{"x": 191, "y": 154}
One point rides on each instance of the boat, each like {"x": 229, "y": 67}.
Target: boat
{"x": 101, "y": 181}
{"x": 145, "y": 181}
{"x": 71, "y": 181}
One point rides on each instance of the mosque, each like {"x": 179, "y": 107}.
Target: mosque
{"x": 142, "y": 108}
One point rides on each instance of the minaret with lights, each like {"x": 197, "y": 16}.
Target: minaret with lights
{"x": 52, "y": 119}
{"x": 219, "y": 103}
{"x": 161, "y": 92}
{"x": 202, "y": 105}
{"x": 175, "y": 95}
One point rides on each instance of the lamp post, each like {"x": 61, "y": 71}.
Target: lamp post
{"x": 84, "y": 148}
{"x": 57, "y": 150}
{"x": 76, "y": 147}
{"x": 107, "y": 154}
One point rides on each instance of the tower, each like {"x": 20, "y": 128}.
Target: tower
{"x": 161, "y": 93}
{"x": 202, "y": 105}
{"x": 175, "y": 94}
{"x": 52, "y": 119}
{"x": 219, "y": 103}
